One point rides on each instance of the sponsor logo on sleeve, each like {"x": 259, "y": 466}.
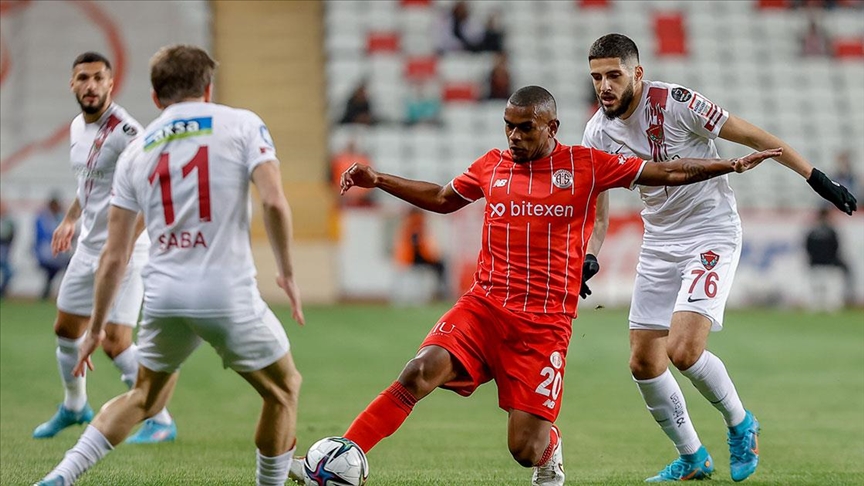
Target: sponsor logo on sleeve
{"x": 265, "y": 135}
{"x": 707, "y": 110}
{"x": 129, "y": 130}
{"x": 681, "y": 94}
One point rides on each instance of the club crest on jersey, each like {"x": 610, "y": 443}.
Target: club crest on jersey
{"x": 562, "y": 179}
{"x": 556, "y": 360}
{"x": 709, "y": 259}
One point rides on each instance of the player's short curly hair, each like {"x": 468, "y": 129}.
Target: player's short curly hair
{"x": 612, "y": 46}
{"x": 89, "y": 57}
{"x": 180, "y": 71}
{"x": 534, "y": 96}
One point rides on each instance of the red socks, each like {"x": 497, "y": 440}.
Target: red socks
{"x": 383, "y": 417}
{"x": 553, "y": 442}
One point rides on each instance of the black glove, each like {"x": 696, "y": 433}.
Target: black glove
{"x": 832, "y": 191}
{"x": 590, "y": 267}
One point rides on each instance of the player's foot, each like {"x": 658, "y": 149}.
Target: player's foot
{"x": 552, "y": 472}
{"x": 295, "y": 470}
{"x": 62, "y": 419}
{"x": 687, "y": 467}
{"x": 744, "y": 448}
{"x": 55, "y": 481}
{"x": 153, "y": 432}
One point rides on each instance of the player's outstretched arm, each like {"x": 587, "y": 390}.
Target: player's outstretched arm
{"x": 112, "y": 267}
{"x": 424, "y": 195}
{"x": 680, "y": 172}
{"x": 61, "y": 240}
{"x": 277, "y": 222}
{"x": 741, "y": 131}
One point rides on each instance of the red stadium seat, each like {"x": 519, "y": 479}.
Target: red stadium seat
{"x": 418, "y": 68}
{"x": 459, "y": 92}
{"x": 849, "y": 47}
{"x": 669, "y": 34}
{"x": 593, "y": 3}
{"x": 415, "y": 3}
{"x": 378, "y": 42}
{"x": 773, "y": 4}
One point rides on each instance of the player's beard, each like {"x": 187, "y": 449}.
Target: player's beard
{"x": 626, "y": 99}
{"x": 95, "y": 107}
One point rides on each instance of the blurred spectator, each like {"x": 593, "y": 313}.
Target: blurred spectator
{"x": 815, "y": 41}
{"x": 343, "y": 160}
{"x": 499, "y": 79}
{"x": 827, "y": 268}
{"x": 358, "y": 109}
{"x": 458, "y": 31}
{"x": 7, "y": 235}
{"x": 46, "y": 222}
{"x": 423, "y": 105}
{"x": 845, "y": 175}
{"x": 415, "y": 247}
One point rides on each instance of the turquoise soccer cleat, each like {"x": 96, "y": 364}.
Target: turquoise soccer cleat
{"x": 153, "y": 432}
{"x": 744, "y": 448}
{"x": 62, "y": 419}
{"x": 688, "y": 467}
{"x": 55, "y": 481}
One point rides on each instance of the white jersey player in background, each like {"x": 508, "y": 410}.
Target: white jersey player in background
{"x": 98, "y": 135}
{"x": 189, "y": 174}
{"x": 690, "y": 249}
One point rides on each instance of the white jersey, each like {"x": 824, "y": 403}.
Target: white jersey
{"x": 672, "y": 122}
{"x": 95, "y": 148}
{"x": 189, "y": 174}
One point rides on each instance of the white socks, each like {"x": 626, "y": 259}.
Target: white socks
{"x": 666, "y": 403}
{"x": 710, "y": 377}
{"x": 90, "y": 448}
{"x": 75, "y": 388}
{"x": 127, "y": 363}
{"x": 273, "y": 471}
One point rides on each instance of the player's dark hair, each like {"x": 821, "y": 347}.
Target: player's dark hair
{"x": 534, "y": 96}
{"x": 91, "y": 56}
{"x": 179, "y": 72}
{"x": 614, "y": 45}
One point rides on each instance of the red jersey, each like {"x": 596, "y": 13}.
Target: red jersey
{"x": 538, "y": 218}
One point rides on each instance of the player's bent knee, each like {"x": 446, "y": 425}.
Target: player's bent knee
{"x": 524, "y": 452}
{"x": 645, "y": 369}
{"x": 683, "y": 357}
{"x": 416, "y": 377}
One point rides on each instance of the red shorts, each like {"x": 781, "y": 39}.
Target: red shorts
{"x": 524, "y": 353}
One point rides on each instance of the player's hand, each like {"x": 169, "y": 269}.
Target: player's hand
{"x": 61, "y": 240}
{"x": 293, "y": 292}
{"x": 357, "y": 175}
{"x": 590, "y": 267}
{"x": 89, "y": 346}
{"x": 743, "y": 164}
{"x": 832, "y": 191}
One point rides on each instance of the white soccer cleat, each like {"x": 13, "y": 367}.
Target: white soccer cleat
{"x": 295, "y": 470}
{"x": 552, "y": 472}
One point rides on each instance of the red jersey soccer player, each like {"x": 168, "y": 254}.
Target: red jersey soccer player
{"x": 513, "y": 325}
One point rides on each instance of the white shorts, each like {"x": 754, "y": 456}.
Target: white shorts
{"x": 76, "y": 288}
{"x": 245, "y": 343}
{"x": 693, "y": 276}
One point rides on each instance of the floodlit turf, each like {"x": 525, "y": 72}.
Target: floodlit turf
{"x": 803, "y": 376}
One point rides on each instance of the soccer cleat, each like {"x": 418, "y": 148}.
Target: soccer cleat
{"x": 62, "y": 419}
{"x": 552, "y": 472}
{"x": 295, "y": 470}
{"x": 55, "y": 481}
{"x": 744, "y": 448}
{"x": 688, "y": 467}
{"x": 153, "y": 432}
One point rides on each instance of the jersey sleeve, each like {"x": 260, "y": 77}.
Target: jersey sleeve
{"x": 612, "y": 170}
{"x": 123, "y": 188}
{"x": 257, "y": 142}
{"x": 696, "y": 112}
{"x": 124, "y": 133}
{"x": 590, "y": 138}
{"x": 469, "y": 184}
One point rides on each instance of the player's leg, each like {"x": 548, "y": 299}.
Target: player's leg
{"x": 658, "y": 280}
{"x": 432, "y": 367}
{"x": 279, "y": 387}
{"x": 535, "y": 441}
{"x": 69, "y": 330}
{"x": 113, "y": 423}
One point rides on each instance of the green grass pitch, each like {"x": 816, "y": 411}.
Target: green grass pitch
{"x": 803, "y": 376}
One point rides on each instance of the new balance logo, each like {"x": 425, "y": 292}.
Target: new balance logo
{"x": 500, "y": 183}
{"x": 550, "y": 404}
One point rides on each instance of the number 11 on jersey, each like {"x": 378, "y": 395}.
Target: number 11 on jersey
{"x": 200, "y": 162}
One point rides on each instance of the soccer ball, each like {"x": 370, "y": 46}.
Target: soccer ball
{"x": 335, "y": 461}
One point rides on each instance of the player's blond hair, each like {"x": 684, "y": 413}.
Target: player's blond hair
{"x": 179, "y": 72}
